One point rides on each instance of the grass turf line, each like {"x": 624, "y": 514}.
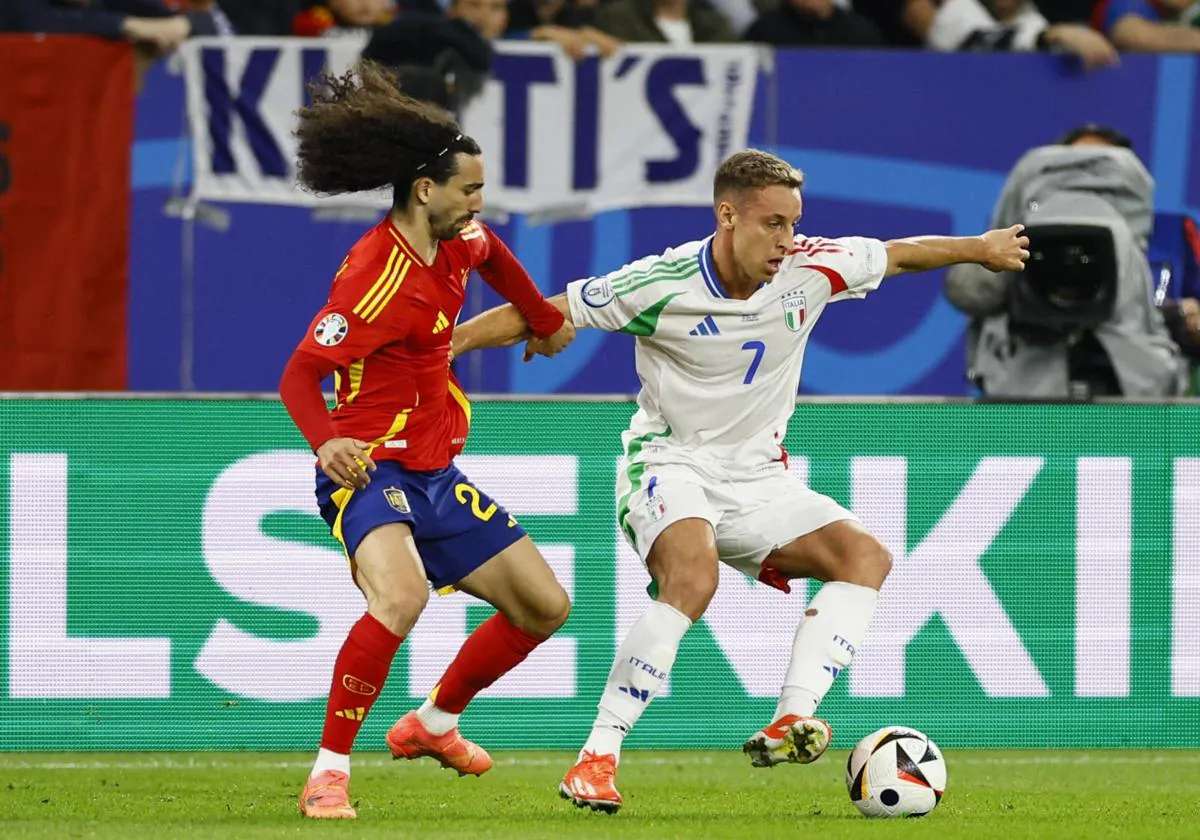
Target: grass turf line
{"x": 992, "y": 795}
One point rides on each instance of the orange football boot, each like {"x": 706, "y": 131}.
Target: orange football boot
{"x": 592, "y": 783}
{"x": 326, "y": 796}
{"x": 408, "y": 738}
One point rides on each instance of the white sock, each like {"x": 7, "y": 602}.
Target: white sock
{"x": 437, "y": 721}
{"x": 329, "y": 760}
{"x": 643, "y": 662}
{"x": 832, "y": 628}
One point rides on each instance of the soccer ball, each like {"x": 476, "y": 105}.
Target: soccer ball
{"x": 896, "y": 772}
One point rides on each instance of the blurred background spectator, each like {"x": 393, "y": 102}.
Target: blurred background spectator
{"x": 336, "y": 17}
{"x": 1093, "y": 30}
{"x": 488, "y": 17}
{"x": 261, "y": 17}
{"x": 568, "y": 23}
{"x": 221, "y": 22}
{"x": 445, "y": 57}
{"x": 151, "y": 25}
{"x": 1008, "y": 25}
{"x": 524, "y": 15}
{"x": 1150, "y": 25}
{"x": 678, "y": 22}
{"x": 1065, "y": 25}
{"x": 441, "y": 57}
{"x": 814, "y": 23}
{"x": 904, "y": 23}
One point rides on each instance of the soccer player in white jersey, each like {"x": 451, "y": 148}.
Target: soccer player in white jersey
{"x": 721, "y": 326}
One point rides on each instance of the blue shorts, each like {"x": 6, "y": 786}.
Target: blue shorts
{"x": 456, "y": 526}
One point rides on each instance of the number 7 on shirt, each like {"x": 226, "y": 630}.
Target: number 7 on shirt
{"x": 759, "y": 348}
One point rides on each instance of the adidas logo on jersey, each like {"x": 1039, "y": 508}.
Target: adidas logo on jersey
{"x": 441, "y": 323}
{"x": 706, "y": 327}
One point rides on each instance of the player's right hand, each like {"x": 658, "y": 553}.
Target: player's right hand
{"x": 551, "y": 345}
{"x": 1006, "y": 249}
{"x": 346, "y": 461}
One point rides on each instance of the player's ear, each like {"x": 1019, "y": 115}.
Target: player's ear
{"x": 422, "y": 188}
{"x": 725, "y": 213}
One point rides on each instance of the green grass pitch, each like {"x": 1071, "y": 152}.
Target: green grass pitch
{"x": 1042, "y": 795}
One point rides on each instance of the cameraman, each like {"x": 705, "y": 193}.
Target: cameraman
{"x": 1080, "y": 323}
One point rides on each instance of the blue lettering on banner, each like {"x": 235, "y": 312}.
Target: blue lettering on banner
{"x": 733, "y": 84}
{"x": 312, "y": 63}
{"x": 222, "y": 102}
{"x": 661, "y": 80}
{"x": 518, "y": 73}
{"x": 627, "y": 64}
{"x": 587, "y": 124}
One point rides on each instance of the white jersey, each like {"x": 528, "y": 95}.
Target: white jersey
{"x": 719, "y": 376}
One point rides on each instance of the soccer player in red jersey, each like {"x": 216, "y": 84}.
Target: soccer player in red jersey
{"x": 386, "y": 481}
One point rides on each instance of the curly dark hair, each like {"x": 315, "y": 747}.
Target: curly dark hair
{"x": 751, "y": 169}
{"x": 361, "y": 133}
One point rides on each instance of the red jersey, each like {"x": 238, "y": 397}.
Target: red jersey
{"x": 385, "y": 333}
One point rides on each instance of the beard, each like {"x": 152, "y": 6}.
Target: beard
{"x": 446, "y": 227}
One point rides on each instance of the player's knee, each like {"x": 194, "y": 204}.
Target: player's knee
{"x": 398, "y": 611}
{"x": 867, "y": 564}
{"x": 690, "y": 591}
{"x": 876, "y": 565}
{"x": 551, "y": 612}
{"x": 540, "y": 616}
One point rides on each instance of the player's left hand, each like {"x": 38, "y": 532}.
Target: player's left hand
{"x": 551, "y": 345}
{"x": 1005, "y": 249}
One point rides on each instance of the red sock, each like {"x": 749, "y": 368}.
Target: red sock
{"x": 494, "y": 649}
{"x": 359, "y": 672}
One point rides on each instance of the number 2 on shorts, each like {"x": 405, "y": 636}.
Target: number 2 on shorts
{"x": 759, "y": 348}
{"x": 466, "y": 494}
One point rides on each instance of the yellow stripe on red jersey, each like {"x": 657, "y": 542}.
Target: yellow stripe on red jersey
{"x": 387, "y": 327}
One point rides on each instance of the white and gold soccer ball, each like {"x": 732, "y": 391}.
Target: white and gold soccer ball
{"x": 896, "y": 772}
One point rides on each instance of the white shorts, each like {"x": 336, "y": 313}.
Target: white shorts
{"x": 750, "y": 517}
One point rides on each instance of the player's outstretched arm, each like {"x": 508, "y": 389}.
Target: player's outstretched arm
{"x": 1005, "y": 249}
{"x": 628, "y": 300}
{"x": 503, "y": 326}
{"x": 504, "y": 273}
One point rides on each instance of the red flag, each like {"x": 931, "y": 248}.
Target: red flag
{"x": 66, "y": 139}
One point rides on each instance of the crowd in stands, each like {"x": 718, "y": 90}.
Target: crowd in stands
{"x": 1095, "y": 30}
